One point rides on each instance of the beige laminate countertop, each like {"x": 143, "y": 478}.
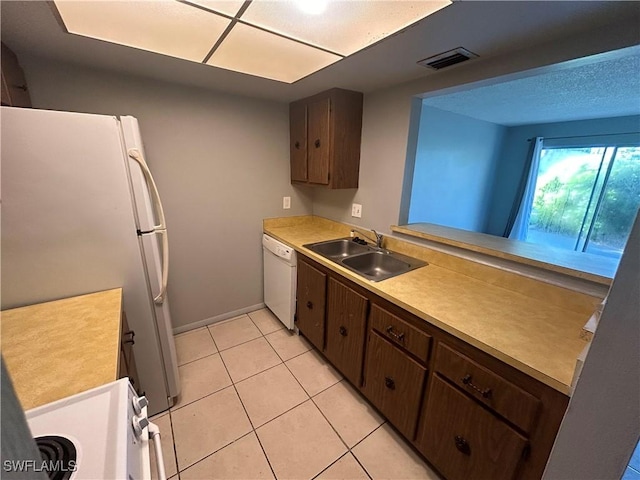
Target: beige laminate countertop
{"x": 595, "y": 268}
{"x": 60, "y": 348}
{"x": 529, "y": 325}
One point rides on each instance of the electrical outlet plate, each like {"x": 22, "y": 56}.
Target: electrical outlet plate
{"x": 356, "y": 210}
{"x": 286, "y": 203}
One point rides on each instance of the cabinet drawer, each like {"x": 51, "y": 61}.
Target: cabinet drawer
{"x": 464, "y": 441}
{"x": 510, "y": 401}
{"x": 400, "y": 333}
{"x": 393, "y": 383}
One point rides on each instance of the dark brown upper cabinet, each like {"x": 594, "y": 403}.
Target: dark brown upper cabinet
{"x": 14, "y": 85}
{"x": 325, "y": 133}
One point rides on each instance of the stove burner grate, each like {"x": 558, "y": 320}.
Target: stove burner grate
{"x": 59, "y": 456}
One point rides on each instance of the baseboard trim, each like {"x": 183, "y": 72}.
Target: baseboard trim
{"x": 217, "y": 318}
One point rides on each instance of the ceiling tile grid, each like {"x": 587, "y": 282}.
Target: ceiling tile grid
{"x": 283, "y": 40}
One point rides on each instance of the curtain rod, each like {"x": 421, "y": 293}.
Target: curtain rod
{"x": 586, "y": 136}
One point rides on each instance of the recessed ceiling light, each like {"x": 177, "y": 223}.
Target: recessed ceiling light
{"x": 251, "y": 50}
{"x": 314, "y": 7}
{"x": 346, "y": 26}
{"x": 228, "y": 7}
{"x": 283, "y": 40}
{"x": 170, "y": 28}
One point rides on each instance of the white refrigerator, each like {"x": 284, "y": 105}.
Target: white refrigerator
{"x": 81, "y": 213}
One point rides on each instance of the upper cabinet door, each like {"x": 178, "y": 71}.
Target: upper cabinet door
{"x": 298, "y": 141}
{"x": 14, "y": 85}
{"x": 325, "y": 139}
{"x": 318, "y": 116}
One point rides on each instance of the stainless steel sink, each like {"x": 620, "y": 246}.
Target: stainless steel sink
{"x": 341, "y": 248}
{"x": 379, "y": 265}
{"x": 366, "y": 260}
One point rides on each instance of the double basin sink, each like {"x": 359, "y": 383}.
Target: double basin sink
{"x": 368, "y": 261}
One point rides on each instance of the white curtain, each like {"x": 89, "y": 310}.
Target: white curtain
{"x": 521, "y": 223}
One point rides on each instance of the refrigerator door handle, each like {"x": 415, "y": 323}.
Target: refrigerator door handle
{"x": 136, "y": 155}
{"x": 159, "y": 299}
{"x": 161, "y": 228}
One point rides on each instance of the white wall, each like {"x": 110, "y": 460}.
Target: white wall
{"x": 221, "y": 163}
{"x": 455, "y": 165}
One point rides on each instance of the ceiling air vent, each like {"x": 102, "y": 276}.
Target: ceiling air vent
{"x": 446, "y": 59}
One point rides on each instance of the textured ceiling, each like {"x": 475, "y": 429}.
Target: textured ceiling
{"x": 605, "y": 88}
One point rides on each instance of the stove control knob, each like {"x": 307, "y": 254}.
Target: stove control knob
{"x": 139, "y": 424}
{"x": 139, "y": 403}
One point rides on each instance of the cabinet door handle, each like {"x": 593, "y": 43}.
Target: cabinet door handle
{"x": 462, "y": 445}
{"x": 343, "y": 331}
{"x": 485, "y": 392}
{"x": 130, "y": 340}
{"x": 317, "y": 143}
{"x": 309, "y": 305}
{"x": 398, "y": 336}
{"x": 297, "y": 145}
{"x": 389, "y": 383}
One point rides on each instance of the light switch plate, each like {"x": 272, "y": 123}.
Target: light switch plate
{"x": 356, "y": 210}
{"x": 286, "y": 203}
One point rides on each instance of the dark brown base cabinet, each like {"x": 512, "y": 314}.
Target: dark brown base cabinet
{"x": 469, "y": 414}
{"x": 346, "y": 325}
{"x": 312, "y": 292}
{"x": 462, "y": 440}
{"x": 127, "y": 365}
{"x": 393, "y": 384}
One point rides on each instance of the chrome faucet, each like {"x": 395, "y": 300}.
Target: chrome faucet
{"x": 378, "y": 239}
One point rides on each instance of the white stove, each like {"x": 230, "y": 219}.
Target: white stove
{"x": 102, "y": 433}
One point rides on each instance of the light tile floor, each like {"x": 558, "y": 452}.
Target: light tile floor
{"x": 259, "y": 402}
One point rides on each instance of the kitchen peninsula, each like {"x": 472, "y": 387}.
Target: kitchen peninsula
{"x": 460, "y": 357}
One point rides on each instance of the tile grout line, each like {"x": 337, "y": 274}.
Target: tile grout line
{"x": 232, "y": 385}
{"x": 195, "y": 360}
{"x": 349, "y": 449}
{"x": 331, "y": 464}
{"x": 173, "y": 444}
{"x": 253, "y": 429}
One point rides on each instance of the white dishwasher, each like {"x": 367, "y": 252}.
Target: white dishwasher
{"x": 279, "y": 279}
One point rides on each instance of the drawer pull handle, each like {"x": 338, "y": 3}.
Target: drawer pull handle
{"x": 389, "y": 383}
{"x": 343, "y": 331}
{"x": 309, "y": 304}
{"x": 297, "y": 145}
{"x": 462, "y": 445}
{"x": 130, "y": 340}
{"x": 485, "y": 392}
{"x": 398, "y": 336}
{"x": 317, "y": 143}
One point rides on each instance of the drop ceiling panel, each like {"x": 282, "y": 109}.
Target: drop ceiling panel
{"x": 228, "y": 7}
{"x": 170, "y": 28}
{"x": 345, "y": 26}
{"x": 250, "y": 50}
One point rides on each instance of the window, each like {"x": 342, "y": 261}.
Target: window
{"x": 586, "y": 196}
